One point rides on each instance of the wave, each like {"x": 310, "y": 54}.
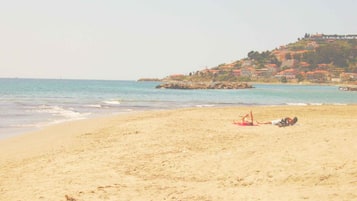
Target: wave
{"x": 94, "y": 106}
{"x": 112, "y": 102}
{"x": 297, "y": 104}
{"x": 205, "y": 105}
{"x": 44, "y": 115}
{"x": 316, "y": 103}
{"x": 59, "y": 111}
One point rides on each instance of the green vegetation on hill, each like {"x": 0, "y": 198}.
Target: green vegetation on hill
{"x": 313, "y": 58}
{"x": 339, "y": 53}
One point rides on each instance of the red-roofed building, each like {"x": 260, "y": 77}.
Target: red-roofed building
{"x": 348, "y": 76}
{"x": 318, "y": 76}
{"x": 236, "y": 73}
{"x": 227, "y": 66}
{"x": 304, "y": 64}
{"x": 323, "y": 66}
{"x": 288, "y": 73}
{"x": 270, "y": 65}
{"x": 248, "y": 72}
{"x": 212, "y": 71}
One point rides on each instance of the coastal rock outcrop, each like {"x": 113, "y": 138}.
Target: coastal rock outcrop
{"x": 347, "y": 88}
{"x": 203, "y": 85}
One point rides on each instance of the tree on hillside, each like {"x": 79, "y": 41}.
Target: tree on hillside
{"x": 275, "y": 60}
{"x": 329, "y": 54}
{"x": 300, "y": 77}
{"x": 254, "y": 55}
{"x": 263, "y": 58}
{"x": 297, "y": 57}
{"x": 283, "y": 79}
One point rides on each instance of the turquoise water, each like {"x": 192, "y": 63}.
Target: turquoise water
{"x": 27, "y": 104}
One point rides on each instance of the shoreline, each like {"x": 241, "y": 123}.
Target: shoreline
{"x": 187, "y": 154}
{"x": 26, "y": 130}
{"x": 37, "y": 108}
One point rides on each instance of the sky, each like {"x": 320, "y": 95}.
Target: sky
{"x": 133, "y": 39}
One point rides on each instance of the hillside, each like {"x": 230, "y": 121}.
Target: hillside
{"x": 316, "y": 58}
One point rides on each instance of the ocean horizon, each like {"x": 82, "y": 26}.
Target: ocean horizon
{"x": 30, "y": 104}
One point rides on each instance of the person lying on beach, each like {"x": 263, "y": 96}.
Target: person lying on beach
{"x": 247, "y": 120}
{"x": 287, "y": 121}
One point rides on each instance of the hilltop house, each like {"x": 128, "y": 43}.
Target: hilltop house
{"x": 332, "y": 37}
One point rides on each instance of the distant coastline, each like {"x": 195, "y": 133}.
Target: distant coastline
{"x": 203, "y": 85}
{"x": 317, "y": 59}
{"x": 149, "y": 80}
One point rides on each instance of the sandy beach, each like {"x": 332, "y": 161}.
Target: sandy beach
{"x": 187, "y": 154}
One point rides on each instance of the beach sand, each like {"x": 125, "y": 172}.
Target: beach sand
{"x": 187, "y": 154}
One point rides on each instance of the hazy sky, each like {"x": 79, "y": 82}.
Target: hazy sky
{"x": 131, "y": 39}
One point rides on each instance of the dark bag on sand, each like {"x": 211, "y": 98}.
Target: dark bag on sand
{"x": 283, "y": 123}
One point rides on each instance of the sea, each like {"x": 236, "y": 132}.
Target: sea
{"x": 30, "y": 104}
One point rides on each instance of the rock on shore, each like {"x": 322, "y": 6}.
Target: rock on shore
{"x": 347, "y": 88}
{"x": 203, "y": 85}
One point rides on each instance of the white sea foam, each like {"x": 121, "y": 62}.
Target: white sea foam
{"x": 205, "y": 105}
{"x": 57, "y": 111}
{"x": 316, "y": 103}
{"x": 297, "y": 104}
{"x": 112, "y": 102}
{"x": 94, "y": 106}
{"x": 32, "y": 125}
